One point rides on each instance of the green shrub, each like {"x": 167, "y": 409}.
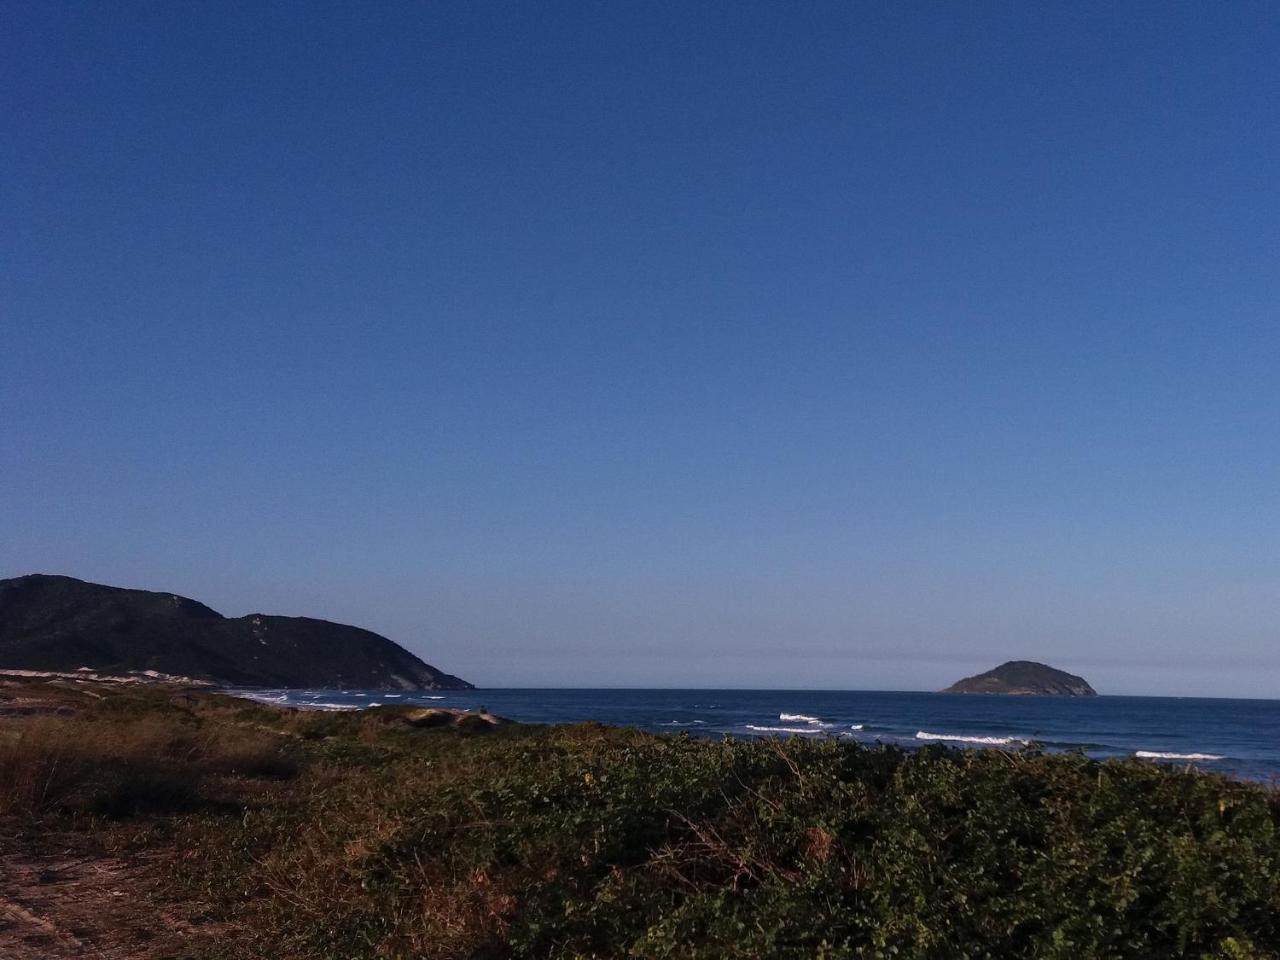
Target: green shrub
{"x": 311, "y": 836}
{"x": 590, "y": 842}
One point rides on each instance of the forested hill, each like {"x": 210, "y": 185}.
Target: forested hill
{"x": 60, "y": 623}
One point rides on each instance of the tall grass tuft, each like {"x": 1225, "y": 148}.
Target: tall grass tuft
{"x": 125, "y": 767}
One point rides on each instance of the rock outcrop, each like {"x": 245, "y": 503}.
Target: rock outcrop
{"x": 1025, "y": 678}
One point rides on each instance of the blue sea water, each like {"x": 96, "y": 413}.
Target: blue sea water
{"x": 1237, "y": 737}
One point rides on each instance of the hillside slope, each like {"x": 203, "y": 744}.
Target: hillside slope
{"x": 60, "y": 623}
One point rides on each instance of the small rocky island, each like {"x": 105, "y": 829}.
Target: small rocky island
{"x": 1025, "y": 678}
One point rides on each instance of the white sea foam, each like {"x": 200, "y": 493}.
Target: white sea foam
{"x": 958, "y": 738}
{"x": 322, "y": 705}
{"x": 802, "y": 717}
{"x": 797, "y": 730}
{"x": 435, "y": 698}
{"x": 267, "y": 697}
{"x": 855, "y": 726}
{"x": 1159, "y": 755}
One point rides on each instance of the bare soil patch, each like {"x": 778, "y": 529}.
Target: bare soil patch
{"x": 62, "y": 897}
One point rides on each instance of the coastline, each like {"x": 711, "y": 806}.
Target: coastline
{"x": 1240, "y": 738}
{"x": 364, "y": 833}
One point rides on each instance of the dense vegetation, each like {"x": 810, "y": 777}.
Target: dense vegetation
{"x": 349, "y": 836}
{"x": 63, "y": 624}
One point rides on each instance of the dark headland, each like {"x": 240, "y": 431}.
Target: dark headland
{"x": 1025, "y": 678}
{"x": 60, "y": 624}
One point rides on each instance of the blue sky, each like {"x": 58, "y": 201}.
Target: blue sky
{"x": 722, "y": 344}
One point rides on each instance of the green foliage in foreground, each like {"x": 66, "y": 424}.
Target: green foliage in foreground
{"x": 585, "y": 841}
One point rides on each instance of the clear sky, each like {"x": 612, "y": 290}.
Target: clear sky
{"x": 854, "y": 345}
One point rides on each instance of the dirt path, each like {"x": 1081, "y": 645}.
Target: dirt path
{"x": 61, "y": 899}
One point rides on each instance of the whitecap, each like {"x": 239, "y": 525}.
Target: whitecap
{"x": 1159, "y": 755}
{"x": 958, "y": 738}
{"x": 802, "y": 717}
{"x": 855, "y": 726}
{"x": 266, "y": 697}
{"x": 322, "y": 705}
{"x": 762, "y": 729}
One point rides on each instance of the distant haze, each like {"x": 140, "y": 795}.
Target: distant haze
{"x": 659, "y": 344}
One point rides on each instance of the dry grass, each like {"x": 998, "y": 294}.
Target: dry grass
{"x": 120, "y": 767}
{"x": 569, "y": 842}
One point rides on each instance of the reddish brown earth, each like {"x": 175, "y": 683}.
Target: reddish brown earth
{"x": 61, "y": 898}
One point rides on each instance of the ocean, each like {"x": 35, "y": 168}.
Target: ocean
{"x": 1236, "y": 737}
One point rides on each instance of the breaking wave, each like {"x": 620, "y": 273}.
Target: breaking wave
{"x": 801, "y": 717}
{"x": 1160, "y": 755}
{"x": 322, "y": 705}
{"x": 958, "y": 738}
{"x": 263, "y": 697}
{"x": 752, "y": 726}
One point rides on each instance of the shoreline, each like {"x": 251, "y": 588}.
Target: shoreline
{"x": 138, "y": 815}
